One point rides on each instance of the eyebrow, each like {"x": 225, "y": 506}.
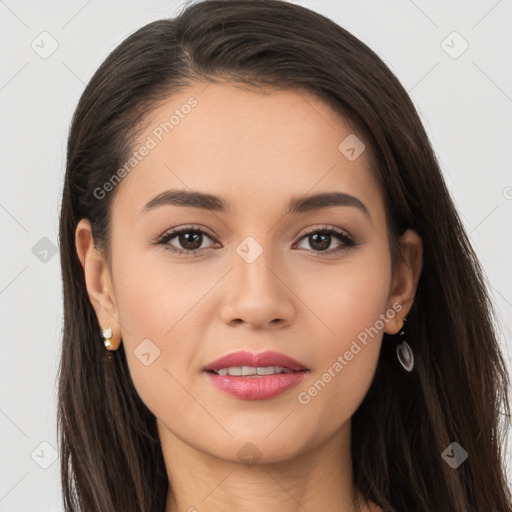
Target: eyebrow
{"x": 214, "y": 203}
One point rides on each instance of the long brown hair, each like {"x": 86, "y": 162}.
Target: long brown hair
{"x": 111, "y": 457}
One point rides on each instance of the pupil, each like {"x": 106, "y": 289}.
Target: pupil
{"x": 324, "y": 244}
{"x": 185, "y": 240}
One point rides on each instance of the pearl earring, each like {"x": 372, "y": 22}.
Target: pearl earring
{"x": 107, "y": 334}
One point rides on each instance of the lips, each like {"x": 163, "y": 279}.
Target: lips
{"x": 287, "y": 373}
{"x": 260, "y": 359}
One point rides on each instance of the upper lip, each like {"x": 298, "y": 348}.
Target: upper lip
{"x": 246, "y": 358}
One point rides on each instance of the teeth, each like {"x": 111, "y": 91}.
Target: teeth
{"x": 243, "y": 371}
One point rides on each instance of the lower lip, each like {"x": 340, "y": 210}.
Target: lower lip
{"x": 256, "y": 387}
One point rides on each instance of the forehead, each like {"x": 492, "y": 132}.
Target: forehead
{"x": 246, "y": 143}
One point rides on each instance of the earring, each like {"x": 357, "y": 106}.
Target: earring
{"x": 110, "y": 343}
{"x": 404, "y": 352}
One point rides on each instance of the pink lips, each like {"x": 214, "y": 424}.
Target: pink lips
{"x": 245, "y": 358}
{"x": 256, "y": 387}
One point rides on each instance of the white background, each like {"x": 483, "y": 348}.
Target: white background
{"x": 465, "y": 104}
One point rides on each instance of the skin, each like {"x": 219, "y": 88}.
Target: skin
{"x": 257, "y": 150}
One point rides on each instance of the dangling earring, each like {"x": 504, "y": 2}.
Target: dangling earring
{"x": 111, "y": 343}
{"x": 404, "y": 352}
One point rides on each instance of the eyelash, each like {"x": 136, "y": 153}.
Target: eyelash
{"x": 325, "y": 230}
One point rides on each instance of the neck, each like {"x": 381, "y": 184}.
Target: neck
{"x": 316, "y": 479}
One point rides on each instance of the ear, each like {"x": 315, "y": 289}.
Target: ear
{"x": 98, "y": 281}
{"x": 405, "y": 278}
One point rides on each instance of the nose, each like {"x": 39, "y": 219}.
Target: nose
{"x": 258, "y": 295}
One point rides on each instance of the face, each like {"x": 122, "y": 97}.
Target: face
{"x": 313, "y": 284}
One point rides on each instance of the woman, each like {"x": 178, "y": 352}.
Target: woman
{"x": 269, "y": 299}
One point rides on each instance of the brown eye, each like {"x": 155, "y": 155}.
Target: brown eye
{"x": 188, "y": 240}
{"x": 320, "y": 240}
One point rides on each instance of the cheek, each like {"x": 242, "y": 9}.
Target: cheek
{"x": 351, "y": 307}
{"x": 360, "y": 298}
{"x": 155, "y": 306}
{"x": 154, "y": 297}
{"x": 347, "y": 299}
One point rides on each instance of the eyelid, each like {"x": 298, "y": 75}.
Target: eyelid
{"x": 326, "y": 227}
{"x": 184, "y": 229}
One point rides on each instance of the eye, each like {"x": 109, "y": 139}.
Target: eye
{"x": 320, "y": 240}
{"x": 190, "y": 240}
